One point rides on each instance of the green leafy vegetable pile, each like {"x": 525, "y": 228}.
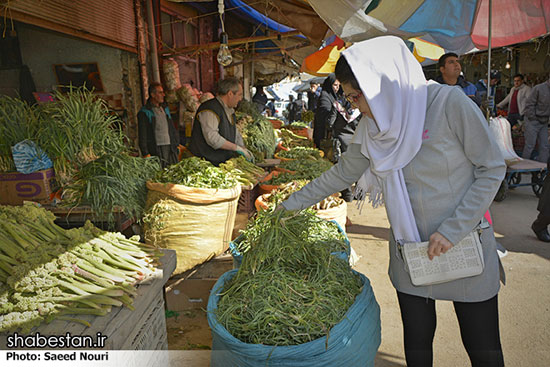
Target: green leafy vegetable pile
{"x": 290, "y": 289}
{"x": 197, "y": 172}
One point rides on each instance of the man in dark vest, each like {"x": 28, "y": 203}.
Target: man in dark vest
{"x": 157, "y": 134}
{"x": 215, "y": 136}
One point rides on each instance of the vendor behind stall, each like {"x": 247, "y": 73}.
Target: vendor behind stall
{"x": 157, "y": 134}
{"x": 215, "y": 136}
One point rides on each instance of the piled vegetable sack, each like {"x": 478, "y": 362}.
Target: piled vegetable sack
{"x": 292, "y": 302}
{"x": 191, "y": 208}
{"x": 18, "y": 122}
{"x": 49, "y": 273}
{"x": 300, "y": 153}
{"x": 248, "y": 174}
{"x": 196, "y": 172}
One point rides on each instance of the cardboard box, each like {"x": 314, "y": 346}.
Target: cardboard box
{"x": 15, "y": 187}
{"x": 187, "y": 294}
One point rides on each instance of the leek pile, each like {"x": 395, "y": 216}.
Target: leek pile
{"x": 47, "y": 272}
{"x": 290, "y": 289}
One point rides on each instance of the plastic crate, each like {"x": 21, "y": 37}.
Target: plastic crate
{"x": 151, "y": 333}
{"x": 247, "y": 199}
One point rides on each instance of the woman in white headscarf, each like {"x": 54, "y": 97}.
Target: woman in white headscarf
{"x": 425, "y": 151}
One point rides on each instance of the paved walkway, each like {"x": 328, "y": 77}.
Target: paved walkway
{"x": 524, "y": 301}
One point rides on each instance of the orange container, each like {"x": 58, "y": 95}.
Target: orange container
{"x": 276, "y": 123}
{"x": 260, "y": 203}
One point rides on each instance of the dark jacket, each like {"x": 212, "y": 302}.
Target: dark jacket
{"x": 146, "y": 130}
{"x": 325, "y": 114}
{"x": 226, "y": 128}
{"x": 468, "y": 88}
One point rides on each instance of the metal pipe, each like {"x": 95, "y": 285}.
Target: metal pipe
{"x": 153, "y": 41}
{"x": 489, "y": 34}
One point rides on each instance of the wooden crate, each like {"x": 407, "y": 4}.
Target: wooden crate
{"x": 247, "y": 199}
{"x": 150, "y": 332}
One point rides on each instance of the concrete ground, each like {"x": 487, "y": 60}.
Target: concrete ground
{"x": 524, "y": 302}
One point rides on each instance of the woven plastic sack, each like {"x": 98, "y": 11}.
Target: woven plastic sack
{"x": 352, "y": 342}
{"x": 171, "y": 74}
{"x": 29, "y": 158}
{"x": 196, "y": 223}
{"x": 503, "y": 136}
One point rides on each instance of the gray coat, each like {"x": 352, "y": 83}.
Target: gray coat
{"x": 537, "y": 106}
{"x": 451, "y": 183}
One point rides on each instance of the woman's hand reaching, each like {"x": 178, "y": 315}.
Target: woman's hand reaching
{"x": 438, "y": 245}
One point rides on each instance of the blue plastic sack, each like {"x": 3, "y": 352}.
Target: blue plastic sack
{"x": 353, "y": 342}
{"x": 238, "y": 257}
{"x": 29, "y": 158}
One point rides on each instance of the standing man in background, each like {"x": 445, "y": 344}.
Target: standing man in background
{"x": 451, "y": 70}
{"x": 157, "y": 134}
{"x": 215, "y": 136}
{"x": 537, "y": 114}
{"x": 516, "y": 100}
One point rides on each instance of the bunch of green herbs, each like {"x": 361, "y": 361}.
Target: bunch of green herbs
{"x": 259, "y": 138}
{"x": 301, "y": 153}
{"x": 197, "y": 172}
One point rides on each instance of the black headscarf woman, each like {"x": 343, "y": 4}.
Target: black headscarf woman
{"x": 326, "y": 114}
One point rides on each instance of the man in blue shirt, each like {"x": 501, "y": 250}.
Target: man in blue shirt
{"x": 451, "y": 70}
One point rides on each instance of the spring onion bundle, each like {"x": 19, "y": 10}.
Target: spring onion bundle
{"x": 113, "y": 180}
{"x": 290, "y": 289}
{"x": 196, "y": 172}
{"x": 47, "y": 272}
{"x": 77, "y": 129}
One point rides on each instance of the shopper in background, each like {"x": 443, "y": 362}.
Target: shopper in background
{"x": 486, "y": 94}
{"x": 156, "y": 132}
{"x": 297, "y": 107}
{"x": 325, "y": 114}
{"x": 540, "y": 225}
{"x": 516, "y": 100}
{"x": 450, "y": 69}
{"x": 426, "y": 153}
{"x": 215, "y": 136}
{"x": 260, "y": 99}
{"x": 537, "y": 115}
{"x": 313, "y": 95}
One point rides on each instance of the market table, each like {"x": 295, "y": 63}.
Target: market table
{"x": 141, "y": 329}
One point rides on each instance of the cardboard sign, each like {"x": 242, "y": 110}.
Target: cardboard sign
{"x": 15, "y": 187}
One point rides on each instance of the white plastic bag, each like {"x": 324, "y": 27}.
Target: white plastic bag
{"x": 503, "y": 136}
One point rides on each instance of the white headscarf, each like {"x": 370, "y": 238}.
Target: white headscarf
{"x": 395, "y": 88}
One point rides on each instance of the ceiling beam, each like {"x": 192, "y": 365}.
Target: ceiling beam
{"x": 231, "y": 42}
